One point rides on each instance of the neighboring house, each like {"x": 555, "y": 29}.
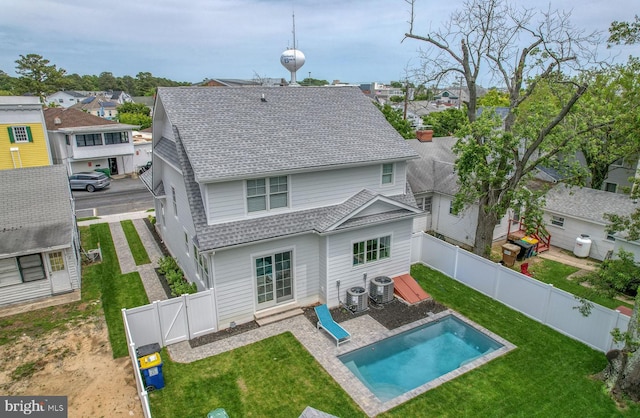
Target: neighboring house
{"x": 84, "y": 142}
{"x": 39, "y": 245}
{"x": 145, "y": 100}
{"x": 618, "y": 175}
{"x": 572, "y": 211}
{"x": 119, "y": 96}
{"x": 100, "y": 106}
{"x": 142, "y": 145}
{"x": 434, "y": 184}
{"x": 64, "y": 98}
{"x": 279, "y": 196}
{"x": 23, "y": 137}
{"x": 236, "y": 82}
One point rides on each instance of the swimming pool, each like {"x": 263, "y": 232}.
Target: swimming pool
{"x": 399, "y": 364}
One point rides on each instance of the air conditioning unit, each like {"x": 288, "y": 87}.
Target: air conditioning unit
{"x": 381, "y": 289}
{"x": 357, "y": 299}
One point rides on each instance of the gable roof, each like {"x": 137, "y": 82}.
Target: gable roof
{"x": 293, "y": 129}
{"x": 588, "y": 204}
{"x": 36, "y": 211}
{"x": 74, "y": 118}
{"x": 434, "y": 170}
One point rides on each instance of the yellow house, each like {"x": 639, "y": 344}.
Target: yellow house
{"x": 23, "y": 136}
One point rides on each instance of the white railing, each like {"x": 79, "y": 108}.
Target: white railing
{"x": 540, "y": 301}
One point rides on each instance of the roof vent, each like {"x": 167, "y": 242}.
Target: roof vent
{"x": 263, "y": 99}
{"x": 57, "y": 121}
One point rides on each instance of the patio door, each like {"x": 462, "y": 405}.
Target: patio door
{"x": 274, "y": 279}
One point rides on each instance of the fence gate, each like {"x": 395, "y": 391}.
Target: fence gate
{"x": 174, "y": 325}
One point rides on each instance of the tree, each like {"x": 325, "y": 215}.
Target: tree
{"x": 609, "y": 117}
{"x": 445, "y": 123}
{"x": 313, "y": 82}
{"x": 394, "y": 117}
{"x": 6, "y": 82}
{"x": 38, "y": 76}
{"x": 625, "y": 33}
{"x": 494, "y": 98}
{"x": 135, "y": 114}
{"x": 620, "y": 275}
{"x": 525, "y": 50}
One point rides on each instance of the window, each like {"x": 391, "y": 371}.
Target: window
{"x": 202, "y": 266}
{"x": 20, "y": 134}
{"x": 175, "y": 201}
{"x": 610, "y": 236}
{"x": 116, "y": 138}
{"x": 266, "y": 194}
{"x": 31, "y": 267}
{"x": 387, "y": 173}
{"x": 88, "y": 140}
{"x": 451, "y": 211}
{"x": 56, "y": 260}
{"x": 424, "y": 203}
{"x": 557, "y": 221}
{"x": 66, "y": 140}
{"x": 610, "y": 187}
{"x": 371, "y": 250}
{"x": 186, "y": 243}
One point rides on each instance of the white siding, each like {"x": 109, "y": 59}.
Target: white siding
{"x": 461, "y": 228}
{"x": 565, "y": 236}
{"x": 174, "y": 228}
{"x": 24, "y": 292}
{"x": 340, "y": 257}
{"x": 226, "y": 201}
{"x": 235, "y": 276}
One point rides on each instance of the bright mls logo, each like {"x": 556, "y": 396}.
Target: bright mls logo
{"x": 36, "y": 406}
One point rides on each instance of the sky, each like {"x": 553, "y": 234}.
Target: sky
{"x": 355, "y": 41}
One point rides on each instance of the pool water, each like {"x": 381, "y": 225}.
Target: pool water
{"x": 408, "y": 360}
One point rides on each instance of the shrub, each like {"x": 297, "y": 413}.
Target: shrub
{"x": 175, "y": 277}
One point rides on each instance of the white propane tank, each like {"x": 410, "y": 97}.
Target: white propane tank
{"x": 583, "y": 246}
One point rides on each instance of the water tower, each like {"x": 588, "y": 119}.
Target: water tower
{"x": 292, "y": 59}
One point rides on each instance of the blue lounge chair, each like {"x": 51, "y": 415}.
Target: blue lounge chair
{"x": 326, "y": 322}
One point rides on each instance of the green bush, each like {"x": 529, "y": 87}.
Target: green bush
{"x": 175, "y": 277}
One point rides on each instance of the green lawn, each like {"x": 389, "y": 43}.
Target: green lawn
{"x": 140, "y": 255}
{"x": 548, "y": 375}
{"x": 555, "y": 273}
{"x": 117, "y": 290}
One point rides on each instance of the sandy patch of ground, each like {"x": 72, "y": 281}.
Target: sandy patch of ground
{"x": 76, "y": 363}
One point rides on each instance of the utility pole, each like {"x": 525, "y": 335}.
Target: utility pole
{"x": 459, "y": 90}
{"x": 406, "y": 97}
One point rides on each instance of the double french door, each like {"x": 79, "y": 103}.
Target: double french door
{"x": 274, "y": 279}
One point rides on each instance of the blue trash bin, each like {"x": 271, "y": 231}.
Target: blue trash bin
{"x": 151, "y": 367}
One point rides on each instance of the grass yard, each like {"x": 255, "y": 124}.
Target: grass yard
{"x": 275, "y": 377}
{"x": 138, "y": 251}
{"x": 548, "y": 375}
{"x": 555, "y": 273}
{"x": 117, "y": 290}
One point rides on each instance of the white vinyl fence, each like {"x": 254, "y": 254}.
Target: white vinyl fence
{"x": 167, "y": 322}
{"x": 540, "y": 301}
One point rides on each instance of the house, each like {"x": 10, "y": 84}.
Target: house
{"x": 39, "y": 244}
{"x": 23, "y": 137}
{"x": 64, "y": 98}
{"x": 434, "y": 184}
{"x": 572, "y": 211}
{"x": 279, "y": 197}
{"x": 99, "y": 105}
{"x": 84, "y": 142}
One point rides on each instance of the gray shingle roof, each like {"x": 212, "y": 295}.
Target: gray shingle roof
{"x": 231, "y": 133}
{"x": 166, "y": 149}
{"x": 35, "y": 209}
{"x": 588, "y": 204}
{"x": 434, "y": 171}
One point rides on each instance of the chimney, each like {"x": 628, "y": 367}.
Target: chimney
{"x": 424, "y": 135}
